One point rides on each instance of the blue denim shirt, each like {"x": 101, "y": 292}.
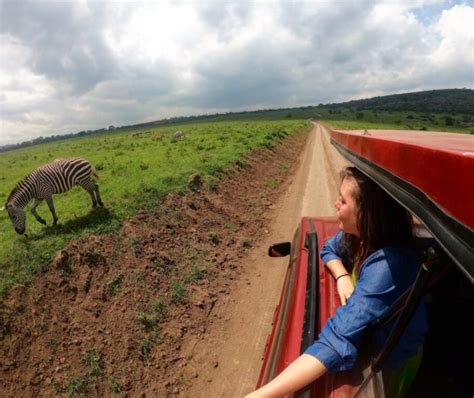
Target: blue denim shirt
{"x": 383, "y": 277}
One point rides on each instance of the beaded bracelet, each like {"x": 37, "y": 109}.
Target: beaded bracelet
{"x": 340, "y": 276}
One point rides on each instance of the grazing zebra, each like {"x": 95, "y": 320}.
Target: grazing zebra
{"x": 178, "y": 135}
{"x": 56, "y": 177}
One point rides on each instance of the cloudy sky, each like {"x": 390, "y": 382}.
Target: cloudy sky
{"x": 67, "y": 66}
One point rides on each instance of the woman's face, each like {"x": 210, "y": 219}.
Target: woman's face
{"x": 347, "y": 211}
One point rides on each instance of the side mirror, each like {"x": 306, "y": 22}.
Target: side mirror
{"x": 279, "y": 249}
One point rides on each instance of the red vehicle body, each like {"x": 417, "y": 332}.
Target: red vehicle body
{"x": 431, "y": 174}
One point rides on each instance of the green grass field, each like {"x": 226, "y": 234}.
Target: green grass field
{"x": 352, "y": 119}
{"x": 396, "y": 120}
{"x": 137, "y": 168}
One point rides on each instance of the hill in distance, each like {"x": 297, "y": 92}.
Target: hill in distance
{"x": 446, "y": 101}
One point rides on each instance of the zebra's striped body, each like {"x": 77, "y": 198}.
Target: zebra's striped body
{"x": 53, "y": 178}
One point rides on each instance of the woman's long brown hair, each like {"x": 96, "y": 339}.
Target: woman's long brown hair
{"x": 381, "y": 220}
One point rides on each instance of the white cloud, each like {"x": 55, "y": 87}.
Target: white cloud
{"x": 22, "y": 89}
{"x": 456, "y": 28}
{"x": 156, "y": 32}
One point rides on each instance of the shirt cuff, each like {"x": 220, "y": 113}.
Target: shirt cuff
{"x": 330, "y": 256}
{"x": 329, "y": 357}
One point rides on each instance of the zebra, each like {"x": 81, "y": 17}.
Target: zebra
{"x": 178, "y": 135}
{"x": 55, "y": 177}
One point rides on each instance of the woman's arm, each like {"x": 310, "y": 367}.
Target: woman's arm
{"x": 298, "y": 374}
{"x": 344, "y": 285}
{"x": 332, "y": 257}
{"x": 338, "y": 343}
{"x": 337, "y": 347}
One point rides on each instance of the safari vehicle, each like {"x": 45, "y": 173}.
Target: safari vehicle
{"x": 432, "y": 175}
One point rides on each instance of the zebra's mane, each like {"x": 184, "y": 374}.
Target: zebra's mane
{"x": 17, "y": 187}
{"x": 22, "y": 181}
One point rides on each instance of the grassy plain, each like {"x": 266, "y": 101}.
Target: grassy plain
{"x": 397, "y": 120}
{"x": 137, "y": 168}
{"x": 351, "y": 119}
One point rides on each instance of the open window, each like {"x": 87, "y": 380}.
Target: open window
{"x": 431, "y": 182}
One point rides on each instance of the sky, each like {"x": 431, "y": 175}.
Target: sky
{"x": 68, "y": 66}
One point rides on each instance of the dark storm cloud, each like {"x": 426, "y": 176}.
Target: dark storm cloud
{"x": 252, "y": 76}
{"x": 223, "y": 17}
{"x": 140, "y": 83}
{"x": 66, "y": 42}
{"x": 322, "y": 21}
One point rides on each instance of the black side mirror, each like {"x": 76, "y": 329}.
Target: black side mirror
{"x": 279, "y": 249}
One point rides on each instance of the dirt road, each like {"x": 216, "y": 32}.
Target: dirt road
{"x": 235, "y": 341}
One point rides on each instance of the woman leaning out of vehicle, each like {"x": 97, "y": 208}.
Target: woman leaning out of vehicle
{"x": 374, "y": 261}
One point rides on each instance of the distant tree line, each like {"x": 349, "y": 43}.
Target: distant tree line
{"x": 448, "y": 101}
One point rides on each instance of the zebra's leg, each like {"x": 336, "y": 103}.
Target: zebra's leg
{"x": 97, "y": 194}
{"x": 89, "y": 186}
{"x": 49, "y": 201}
{"x": 36, "y": 202}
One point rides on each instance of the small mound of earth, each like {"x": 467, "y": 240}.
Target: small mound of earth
{"x": 110, "y": 314}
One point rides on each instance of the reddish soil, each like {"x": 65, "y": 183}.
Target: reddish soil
{"x": 90, "y": 325}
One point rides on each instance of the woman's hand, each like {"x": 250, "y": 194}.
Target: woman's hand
{"x": 344, "y": 287}
{"x": 343, "y": 279}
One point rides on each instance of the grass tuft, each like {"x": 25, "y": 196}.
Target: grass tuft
{"x": 147, "y": 320}
{"x": 93, "y": 361}
{"x": 178, "y": 292}
{"x": 78, "y": 386}
{"x": 114, "y": 284}
{"x": 195, "y": 274}
{"x": 213, "y": 237}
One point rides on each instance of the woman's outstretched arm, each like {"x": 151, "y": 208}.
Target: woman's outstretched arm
{"x": 298, "y": 374}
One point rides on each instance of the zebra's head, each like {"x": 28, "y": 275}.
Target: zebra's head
{"x": 18, "y": 218}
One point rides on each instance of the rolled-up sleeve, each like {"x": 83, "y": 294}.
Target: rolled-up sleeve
{"x": 331, "y": 249}
{"x": 338, "y": 343}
